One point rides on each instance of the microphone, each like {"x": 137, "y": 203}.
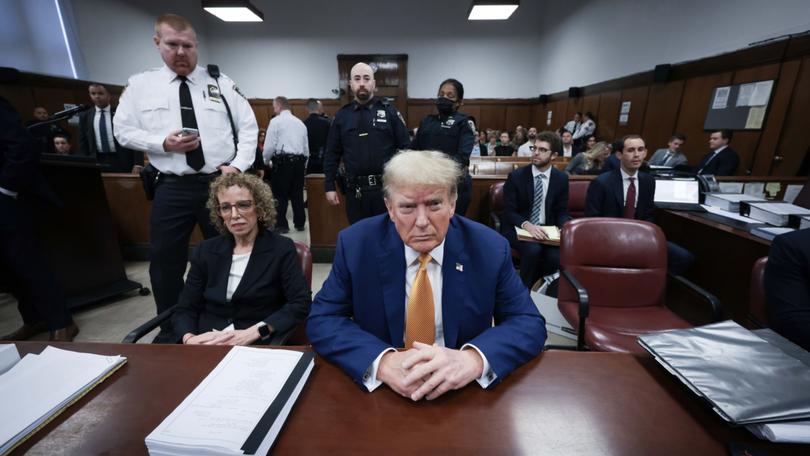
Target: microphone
{"x": 71, "y": 111}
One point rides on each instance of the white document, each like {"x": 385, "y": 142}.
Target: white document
{"x": 788, "y": 432}
{"x": 791, "y": 192}
{"x": 756, "y": 116}
{"x": 728, "y": 214}
{"x": 623, "y": 118}
{"x": 721, "y": 97}
{"x": 9, "y": 356}
{"x": 222, "y": 412}
{"x": 731, "y": 187}
{"x": 761, "y": 93}
{"x": 626, "y": 107}
{"x": 745, "y": 93}
{"x": 754, "y": 189}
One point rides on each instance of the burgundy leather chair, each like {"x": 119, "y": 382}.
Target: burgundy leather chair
{"x": 757, "y": 307}
{"x": 577, "y": 195}
{"x": 496, "y": 213}
{"x": 615, "y": 278}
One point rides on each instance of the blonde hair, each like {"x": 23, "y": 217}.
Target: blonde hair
{"x": 421, "y": 168}
{"x": 174, "y": 21}
{"x": 259, "y": 190}
{"x": 595, "y": 151}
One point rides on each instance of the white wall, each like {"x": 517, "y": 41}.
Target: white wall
{"x": 606, "y": 39}
{"x": 31, "y": 38}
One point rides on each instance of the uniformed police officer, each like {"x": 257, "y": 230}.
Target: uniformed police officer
{"x": 365, "y": 134}
{"x": 451, "y": 132}
{"x": 177, "y": 114}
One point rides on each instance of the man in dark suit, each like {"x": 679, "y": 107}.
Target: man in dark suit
{"x": 568, "y": 148}
{"x": 722, "y": 160}
{"x": 787, "y": 286}
{"x": 96, "y": 136}
{"x": 23, "y": 268}
{"x": 421, "y": 278}
{"x": 535, "y": 196}
{"x": 317, "y": 131}
{"x": 628, "y": 193}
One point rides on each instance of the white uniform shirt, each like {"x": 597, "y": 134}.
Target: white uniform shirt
{"x": 150, "y": 109}
{"x": 286, "y": 134}
{"x": 524, "y": 151}
{"x": 97, "y": 128}
{"x": 586, "y": 129}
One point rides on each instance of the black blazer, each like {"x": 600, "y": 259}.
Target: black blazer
{"x": 606, "y": 196}
{"x": 518, "y": 196}
{"x": 724, "y": 164}
{"x": 272, "y": 290}
{"x": 787, "y": 286}
{"x": 317, "y": 132}
{"x": 125, "y": 158}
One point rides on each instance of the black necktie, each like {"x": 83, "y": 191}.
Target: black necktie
{"x": 102, "y": 132}
{"x": 194, "y": 158}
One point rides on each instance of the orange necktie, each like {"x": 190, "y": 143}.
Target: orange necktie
{"x": 420, "y": 325}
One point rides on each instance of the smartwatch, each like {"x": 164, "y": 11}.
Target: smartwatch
{"x": 264, "y": 333}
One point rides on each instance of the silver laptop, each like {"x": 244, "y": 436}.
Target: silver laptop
{"x": 678, "y": 194}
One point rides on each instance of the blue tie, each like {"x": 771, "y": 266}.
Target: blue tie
{"x": 538, "y": 198}
{"x": 102, "y": 131}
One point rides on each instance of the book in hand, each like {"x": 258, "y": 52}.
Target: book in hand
{"x": 31, "y": 395}
{"x": 776, "y": 213}
{"x": 239, "y": 408}
{"x": 551, "y": 231}
{"x": 729, "y": 201}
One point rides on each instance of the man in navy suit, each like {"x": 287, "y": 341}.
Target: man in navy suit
{"x": 721, "y": 160}
{"x": 787, "y": 286}
{"x": 628, "y": 193}
{"x": 422, "y": 279}
{"x": 535, "y": 196}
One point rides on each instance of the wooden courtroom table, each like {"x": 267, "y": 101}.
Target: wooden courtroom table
{"x": 559, "y": 403}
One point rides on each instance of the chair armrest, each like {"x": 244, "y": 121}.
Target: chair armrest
{"x": 147, "y": 327}
{"x": 282, "y": 338}
{"x": 717, "y": 310}
{"x": 582, "y": 296}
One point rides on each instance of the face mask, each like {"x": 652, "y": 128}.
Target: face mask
{"x": 445, "y": 106}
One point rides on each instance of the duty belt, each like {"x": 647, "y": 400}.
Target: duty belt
{"x": 359, "y": 183}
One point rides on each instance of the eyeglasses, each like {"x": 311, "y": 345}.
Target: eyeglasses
{"x": 541, "y": 149}
{"x": 241, "y": 207}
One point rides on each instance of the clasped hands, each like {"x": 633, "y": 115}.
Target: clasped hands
{"x": 428, "y": 371}
{"x": 230, "y": 337}
{"x": 535, "y": 231}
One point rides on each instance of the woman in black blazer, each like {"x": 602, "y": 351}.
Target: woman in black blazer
{"x": 247, "y": 283}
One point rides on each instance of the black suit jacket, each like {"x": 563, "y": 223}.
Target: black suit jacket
{"x": 124, "y": 159}
{"x": 724, "y": 164}
{"x": 606, "y": 196}
{"x": 787, "y": 286}
{"x": 518, "y": 197}
{"x": 317, "y": 132}
{"x": 273, "y": 288}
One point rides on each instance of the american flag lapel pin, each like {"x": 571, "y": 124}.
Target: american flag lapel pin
{"x": 459, "y": 267}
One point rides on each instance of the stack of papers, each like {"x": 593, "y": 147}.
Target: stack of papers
{"x": 777, "y": 213}
{"x": 551, "y": 231}
{"x": 729, "y": 201}
{"x": 239, "y": 408}
{"x": 31, "y": 394}
{"x": 748, "y": 379}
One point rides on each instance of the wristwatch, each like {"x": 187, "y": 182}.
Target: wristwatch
{"x": 264, "y": 333}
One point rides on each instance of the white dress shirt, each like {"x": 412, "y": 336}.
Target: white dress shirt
{"x": 524, "y": 149}
{"x": 572, "y": 126}
{"x": 547, "y": 173}
{"x": 626, "y": 184}
{"x": 568, "y": 151}
{"x": 586, "y": 129}
{"x": 476, "y": 150}
{"x": 150, "y": 110}
{"x": 434, "y": 274}
{"x": 286, "y": 134}
{"x": 109, "y": 126}
{"x": 238, "y": 265}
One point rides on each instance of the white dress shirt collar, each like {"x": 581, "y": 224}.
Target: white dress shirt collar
{"x": 626, "y": 176}
{"x": 536, "y": 172}
{"x": 194, "y": 77}
{"x": 412, "y": 255}
{"x": 720, "y": 149}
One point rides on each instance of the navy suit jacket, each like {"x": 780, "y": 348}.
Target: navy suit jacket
{"x": 125, "y": 158}
{"x": 360, "y": 311}
{"x": 518, "y": 197}
{"x": 606, "y": 196}
{"x": 724, "y": 164}
{"x": 273, "y": 288}
{"x": 787, "y": 286}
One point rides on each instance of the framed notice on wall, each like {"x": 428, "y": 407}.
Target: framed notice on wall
{"x": 739, "y": 106}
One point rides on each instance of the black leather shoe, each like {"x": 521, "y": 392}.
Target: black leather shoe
{"x": 26, "y": 332}
{"x": 66, "y": 334}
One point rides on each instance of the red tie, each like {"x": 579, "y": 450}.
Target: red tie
{"x": 630, "y": 201}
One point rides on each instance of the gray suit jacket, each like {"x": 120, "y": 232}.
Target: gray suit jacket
{"x": 658, "y": 158}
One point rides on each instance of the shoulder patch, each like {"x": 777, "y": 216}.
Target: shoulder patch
{"x": 472, "y": 125}
{"x": 236, "y": 89}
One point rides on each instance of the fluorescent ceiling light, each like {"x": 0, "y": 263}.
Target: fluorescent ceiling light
{"x": 492, "y": 10}
{"x": 234, "y": 11}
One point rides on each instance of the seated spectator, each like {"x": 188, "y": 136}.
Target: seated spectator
{"x": 573, "y": 125}
{"x": 44, "y": 133}
{"x": 590, "y": 161}
{"x": 538, "y": 182}
{"x": 612, "y": 162}
{"x": 518, "y": 140}
{"x": 569, "y": 149}
{"x": 61, "y": 144}
{"x": 590, "y": 142}
{"x": 721, "y": 160}
{"x": 671, "y": 156}
{"x": 247, "y": 283}
{"x": 525, "y": 149}
{"x": 504, "y": 149}
{"x": 787, "y": 286}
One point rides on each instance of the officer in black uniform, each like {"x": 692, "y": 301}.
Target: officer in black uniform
{"x": 317, "y": 131}
{"x": 365, "y": 134}
{"x": 451, "y": 132}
